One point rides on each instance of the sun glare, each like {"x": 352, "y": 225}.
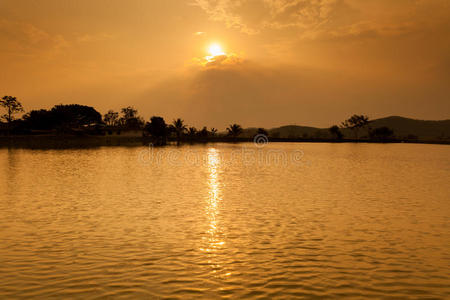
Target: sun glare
{"x": 216, "y": 50}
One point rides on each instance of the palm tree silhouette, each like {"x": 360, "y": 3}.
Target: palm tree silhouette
{"x": 192, "y": 131}
{"x": 234, "y": 130}
{"x": 179, "y": 128}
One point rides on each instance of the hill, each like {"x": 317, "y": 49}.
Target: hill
{"x": 294, "y": 131}
{"x": 289, "y": 131}
{"x": 404, "y": 128}
{"x": 422, "y": 129}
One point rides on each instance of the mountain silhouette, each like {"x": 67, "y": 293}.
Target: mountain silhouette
{"x": 404, "y": 128}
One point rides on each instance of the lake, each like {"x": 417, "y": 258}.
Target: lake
{"x": 284, "y": 220}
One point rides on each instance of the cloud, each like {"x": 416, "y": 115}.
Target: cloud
{"x": 26, "y": 39}
{"x": 89, "y": 37}
{"x": 360, "y": 31}
{"x": 252, "y": 16}
{"x": 377, "y": 57}
{"x": 300, "y": 13}
{"x": 224, "y": 60}
{"x": 222, "y": 11}
{"x": 255, "y": 95}
{"x": 326, "y": 19}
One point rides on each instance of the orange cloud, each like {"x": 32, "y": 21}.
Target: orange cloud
{"x": 253, "y": 16}
{"x": 256, "y": 95}
{"x": 218, "y": 60}
{"x": 26, "y": 39}
{"x": 317, "y": 19}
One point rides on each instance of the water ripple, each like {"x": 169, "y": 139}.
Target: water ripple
{"x": 97, "y": 224}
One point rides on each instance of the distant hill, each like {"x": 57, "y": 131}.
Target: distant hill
{"x": 290, "y": 131}
{"x": 423, "y": 130}
{"x": 294, "y": 131}
{"x": 404, "y": 128}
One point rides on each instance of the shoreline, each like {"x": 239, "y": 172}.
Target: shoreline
{"x": 70, "y": 141}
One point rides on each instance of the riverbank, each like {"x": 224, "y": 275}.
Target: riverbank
{"x": 70, "y": 141}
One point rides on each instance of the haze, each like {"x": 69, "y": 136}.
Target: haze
{"x": 286, "y": 62}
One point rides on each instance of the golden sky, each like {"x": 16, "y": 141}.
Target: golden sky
{"x": 306, "y": 62}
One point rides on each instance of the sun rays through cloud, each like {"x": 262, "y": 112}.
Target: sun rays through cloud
{"x": 216, "y": 55}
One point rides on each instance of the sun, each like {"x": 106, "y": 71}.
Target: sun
{"x": 216, "y": 54}
{"x": 216, "y": 50}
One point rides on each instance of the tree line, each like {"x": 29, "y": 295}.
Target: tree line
{"x": 81, "y": 119}
{"x": 358, "y": 122}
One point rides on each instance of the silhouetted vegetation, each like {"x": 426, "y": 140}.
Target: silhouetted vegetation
{"x": 75, "y": 115}
{"x": 179, "y": 128}
{"x": 81, "y": 120}
{"x": 130, "y": 119}
{"x": 40, "y": 120}
{"x": 412, "y": 137}
{"x": 192, "y": 132}
{"x": 12, "y": 106}
{"x": 355, "y": 123}
{"x": 336, "y": 132}
{"x": 63, "y": 119}
{"x": 111, "y": 118}
{"x": 203, "y": 133}
{"x": 262, "y": 131}
{"x": 158, "y": 130}
{"x": 383, "y": 133}
{"x": 234, "y": 130}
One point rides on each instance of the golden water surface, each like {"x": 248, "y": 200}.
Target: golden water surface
{"x": 222, "y": 220}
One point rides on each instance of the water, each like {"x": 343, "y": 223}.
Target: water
{"x": 223, "y": 220}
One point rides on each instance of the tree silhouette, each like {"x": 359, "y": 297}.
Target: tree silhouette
{"x": 213, "y": 131}
{"x": 179, "y": 128}
{"x": 234, "y": 130}
{"x": 40, "y": 120}
{"x": 382, "y": 133}
{"x": 129, "y": 112}
{"x": 63, "y": 118}
{"x": 355, "y": 123}
{"x": 130, "y": 118}
{"x": 158, "y": 129}
{"x": 192, "y": 131}
{"x": 12, "y": 106}
{"x": 74, "y": 116}
{"x": 203, "y": 133}
{"x": 336, "y": 132}
{"x": 111, "y": 118}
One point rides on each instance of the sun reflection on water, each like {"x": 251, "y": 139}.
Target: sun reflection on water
{"x": 213, "y": 240}
{"x": 213, "y": 199}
